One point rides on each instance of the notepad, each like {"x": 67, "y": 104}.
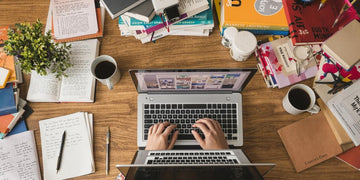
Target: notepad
{"x": 77, "y": 157}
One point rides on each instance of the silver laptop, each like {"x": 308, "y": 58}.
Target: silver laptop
{"x": 193, "y": 164}
{"x": 182, "y": 96}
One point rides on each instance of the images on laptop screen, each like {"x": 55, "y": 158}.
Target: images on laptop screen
{"x": 191, "y": 80}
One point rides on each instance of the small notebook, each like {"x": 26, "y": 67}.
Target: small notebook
{"x": 344, "y": 45}
{"x": 309, "y": 141}
{"x": 307, "y": 25}
{"x": 77, "y": 157}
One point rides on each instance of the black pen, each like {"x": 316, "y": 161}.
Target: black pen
{"x": 61, "y": 151}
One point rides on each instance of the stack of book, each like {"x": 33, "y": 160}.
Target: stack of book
{"x": 258, "y": 17}
{"x": 283, "y": 64}
{"x": 196, "y": 19}
{"x": 10, "y": 71}
{"x": 13, "y": 112}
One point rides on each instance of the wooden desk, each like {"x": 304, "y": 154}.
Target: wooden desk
{"x": 263, "y": 114}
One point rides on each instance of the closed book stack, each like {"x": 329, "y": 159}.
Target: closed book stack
{"x": 258, "y": 17}
{"x": 196, "y": 19}
{"x": 8, "y": 62}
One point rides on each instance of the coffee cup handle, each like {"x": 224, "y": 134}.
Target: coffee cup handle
{"x": 109, "y": 84}
{"x": 314, "y": 110}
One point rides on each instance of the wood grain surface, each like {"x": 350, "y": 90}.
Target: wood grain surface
{"x": 262, "y": 110}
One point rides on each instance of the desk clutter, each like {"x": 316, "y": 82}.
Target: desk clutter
{"x": 195, "y": 19}
{"x": 315, "y": 43}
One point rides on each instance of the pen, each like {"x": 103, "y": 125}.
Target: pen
{"x": 61, "y": 151}
{"x": 107, "y": 150}
{"x": 322, "y": 3}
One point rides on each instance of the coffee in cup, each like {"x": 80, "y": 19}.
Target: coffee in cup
{"x": 104, "y": 69}
{"x": 300, "y": 98}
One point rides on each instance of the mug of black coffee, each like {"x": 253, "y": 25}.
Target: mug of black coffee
{"x": 300, "y": 98}
{"x": 104, "y": 69}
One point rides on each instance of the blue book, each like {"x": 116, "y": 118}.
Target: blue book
{"x": 7, "y": 104}
{"x": 19, "y": 127}
{"x": 21, "y": 124}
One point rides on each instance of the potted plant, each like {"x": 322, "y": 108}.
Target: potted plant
{"x": 36, "y": 51}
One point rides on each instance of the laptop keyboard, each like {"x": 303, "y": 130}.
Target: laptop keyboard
{"x": 192, "y": 158}
{"x": 185, "y": 115}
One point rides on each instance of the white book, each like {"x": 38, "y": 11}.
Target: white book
{"x": 19, "y": 158}
{"x": 74, "y": 18}
{"x": 346, "y": 108}
{"x": 77, "y": 157}
{"x": 79, "y": 86}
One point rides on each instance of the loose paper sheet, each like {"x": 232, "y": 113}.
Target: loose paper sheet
{"x": 18, "y": 157}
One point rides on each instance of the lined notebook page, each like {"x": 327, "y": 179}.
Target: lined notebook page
{"x": 77, "y": 158}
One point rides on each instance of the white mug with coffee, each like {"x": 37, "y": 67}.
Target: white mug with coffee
{"x": 300, "y": 98}
{"x": 104, "y": 69}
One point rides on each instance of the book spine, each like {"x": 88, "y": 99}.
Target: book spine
{"x": 262, "y": 32}
{"x": 8, "y": 110}
{"x": 256, "y": 27}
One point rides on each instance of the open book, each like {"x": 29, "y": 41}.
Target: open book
{"x": 77, "y": 156}
{"x": 79, "y": 86}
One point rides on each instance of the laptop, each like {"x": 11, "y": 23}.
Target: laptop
{"x": 182, "y": 96}
{"x": 193, "y": 164}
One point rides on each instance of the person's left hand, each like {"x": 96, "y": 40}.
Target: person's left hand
{"x": 158, "y": 137}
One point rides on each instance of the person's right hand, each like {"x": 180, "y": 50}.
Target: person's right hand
{"x": 214, "y": 136}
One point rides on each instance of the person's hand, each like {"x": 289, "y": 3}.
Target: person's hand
{"x": 158, "y": 136}
{"x": 214, "y": 136}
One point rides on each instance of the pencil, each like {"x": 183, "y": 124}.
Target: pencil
{"x": 107, "y": 150}
{"x": 322, "y": 3}
{"x": 345, "y": 7}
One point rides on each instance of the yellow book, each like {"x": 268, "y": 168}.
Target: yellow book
{"x": 6, "y": 61}
{"x": 258, "y": 16}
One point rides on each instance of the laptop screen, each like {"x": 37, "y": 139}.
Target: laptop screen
{"x": 191, "y": 80}
{"x": 196, "y": 172}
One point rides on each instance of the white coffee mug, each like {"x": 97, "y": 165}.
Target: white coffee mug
{"x": 243, "y": 45}
{"x": 228, "y": 36}
{"x": 300, "y": 98}
{"x": 104, "y": 69}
